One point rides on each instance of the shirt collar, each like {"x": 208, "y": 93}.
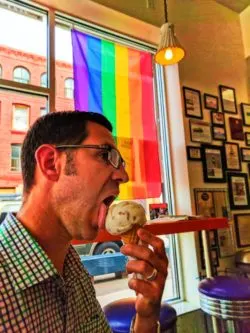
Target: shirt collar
{"x": 23, "y": 258}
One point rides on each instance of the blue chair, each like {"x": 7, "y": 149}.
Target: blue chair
{"x": 227, "y": 299}
{"x": 120, "y": 313}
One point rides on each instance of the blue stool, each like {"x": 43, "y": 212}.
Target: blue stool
{"x": 120, "y": 313}
{"x": 227, "y": 299}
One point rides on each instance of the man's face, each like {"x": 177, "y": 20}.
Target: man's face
{"x": 87, "y": 185}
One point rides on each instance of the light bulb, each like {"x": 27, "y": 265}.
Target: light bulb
{"x": 168, "y": 54}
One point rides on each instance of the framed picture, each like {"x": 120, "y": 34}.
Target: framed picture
{"x": 211, "y": 202}
{"x": 219, "y": 133}
{"x": 232, "y": 156}
{"x": 247, "y": 138}
{"x": 200, "y": 131}
{"x": 226, "y": 242}
{"x": 158, "y": 210}
{"x": 228, "y": 99}
{"x": 238, "y": 190}
{"x": 194, "y": 153}
{"x": 217, "y": 118}
{"x": 213, "y": 164}
{"x": 245, "y": 154}
{"x": 192, "y": 103}
{"x": 236, "y": 128}
{"x": 214, "y": 258}
{"x": 242, "y": 229}
{"x": 245, "y": 110}
{"x": 211, "y": 102}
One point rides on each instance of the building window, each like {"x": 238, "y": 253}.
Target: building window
{"x": 16, "y": 157}
{"x": 69, "y": 88}
{"x": 43, "y": 111}
{"x": 20, "y": 117}
{"x": 21, "y": 74}
{"x": 1, "y": 71}
{"x": 44, "y": 80}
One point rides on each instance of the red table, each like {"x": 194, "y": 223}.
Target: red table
{"x": 173, "y": 227}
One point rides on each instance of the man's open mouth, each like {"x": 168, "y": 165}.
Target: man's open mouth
{"x": 108, "y": 201}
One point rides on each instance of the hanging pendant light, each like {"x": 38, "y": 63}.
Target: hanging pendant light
{"x": 169, "y": 51}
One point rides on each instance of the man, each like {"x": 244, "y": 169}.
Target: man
{"x": 71, "y": 174}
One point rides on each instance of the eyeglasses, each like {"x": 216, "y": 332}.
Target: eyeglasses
{"x": 112, "y": 155}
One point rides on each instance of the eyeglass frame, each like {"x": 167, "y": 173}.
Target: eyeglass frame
{"x": 108, "y": 148}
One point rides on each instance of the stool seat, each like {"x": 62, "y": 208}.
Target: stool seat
{"x": 120, "y": 313}
{"x": 226, "y": 288}
{"x": 226, "y": 297}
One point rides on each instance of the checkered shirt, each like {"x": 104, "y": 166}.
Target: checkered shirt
{"x": 34, "y": 297}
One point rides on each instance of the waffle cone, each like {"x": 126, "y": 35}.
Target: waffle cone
{"x": 130, "y": 237}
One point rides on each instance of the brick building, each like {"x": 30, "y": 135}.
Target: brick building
{"x": 19, "y": 110}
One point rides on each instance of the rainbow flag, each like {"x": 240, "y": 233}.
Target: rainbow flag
{"x": 117, "y": 81}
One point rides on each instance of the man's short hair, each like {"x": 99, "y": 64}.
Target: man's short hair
{"x": 58, "y": 128}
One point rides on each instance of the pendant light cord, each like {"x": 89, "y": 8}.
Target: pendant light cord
{"x": 165, "y": 11}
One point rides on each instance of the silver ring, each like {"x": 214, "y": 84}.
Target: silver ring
{"x": 153, "y": 276}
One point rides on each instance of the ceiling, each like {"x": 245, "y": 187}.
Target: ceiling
{"x": 236, "y": 5}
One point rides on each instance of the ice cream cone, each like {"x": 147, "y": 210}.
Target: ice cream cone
{"x": 130, "y": 237}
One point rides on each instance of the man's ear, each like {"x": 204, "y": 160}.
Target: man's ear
{"x": 47, "y": 162}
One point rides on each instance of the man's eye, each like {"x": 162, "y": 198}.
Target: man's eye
{"x": 105, "y": 155}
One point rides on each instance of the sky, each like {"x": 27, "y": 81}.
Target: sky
{"x": 29, "y": 35}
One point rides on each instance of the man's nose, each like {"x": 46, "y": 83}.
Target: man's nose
{"x": 121, "y": 175}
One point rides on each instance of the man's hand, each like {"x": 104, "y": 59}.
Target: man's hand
{"x": 149, "y": 293}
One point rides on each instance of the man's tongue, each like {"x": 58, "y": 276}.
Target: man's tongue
{"x": 102, "y": 216}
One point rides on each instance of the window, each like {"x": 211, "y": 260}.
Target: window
{"x": 1, "y": 71}
{"x": 21, "y": 107}
{"x": 15, "y": 157}
{"x": 43, "y": 111}
{"x": 44, "y": 80}
{"x": 20, "y": 120}
{"x": 69, "y": 88}
{"x": 21, "y": 74}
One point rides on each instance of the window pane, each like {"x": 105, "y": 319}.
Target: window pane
{"x": 21, "y": 74}
{"x": 23, "y": 42}
{"x": 20, "y": 117}
{"x": 44, "y": 80}
{"x": 15, "y": 107}
{"x": 15, "y": 158}
{"x": 64, "y": 68}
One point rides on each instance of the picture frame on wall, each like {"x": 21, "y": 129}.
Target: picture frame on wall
{"x": 245, "y": 154}
{"x": 211, "y": 102}
{"x": 236, "y": 128}
{"x": 194, "y": 153}
{"x": 219, "y": 133}
{"x": 247, "y": 138}
{"x": 228, "y": 99}
{"x": 204, "y": 202}
{"x": 238, "y": 190}
{"x": 211, "y": 202}
{"x": 200, "y": 131}
{"x": 217, "y": 118}
{"x": 245, "y": 110}
{"x": 192, "y": 103}
{"x": 214, "y": 258}
{"x": 242, "y": 229}
{"x": 232, "y": 156}
{"x": 226, "y": 242}
{"x": 213, "y": 164}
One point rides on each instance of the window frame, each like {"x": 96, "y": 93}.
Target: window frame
{"x": 21, "y": 79}
{"x": 69, "y": 91}
{"x": 44, "y": 80}
{"x": 19, "y": 145}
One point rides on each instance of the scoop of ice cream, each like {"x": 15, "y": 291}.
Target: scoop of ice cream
{"x": 124, "y": 216}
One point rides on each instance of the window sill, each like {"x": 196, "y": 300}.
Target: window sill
{"x": 183, "y": 307}
{"x": 18, "y": 132}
